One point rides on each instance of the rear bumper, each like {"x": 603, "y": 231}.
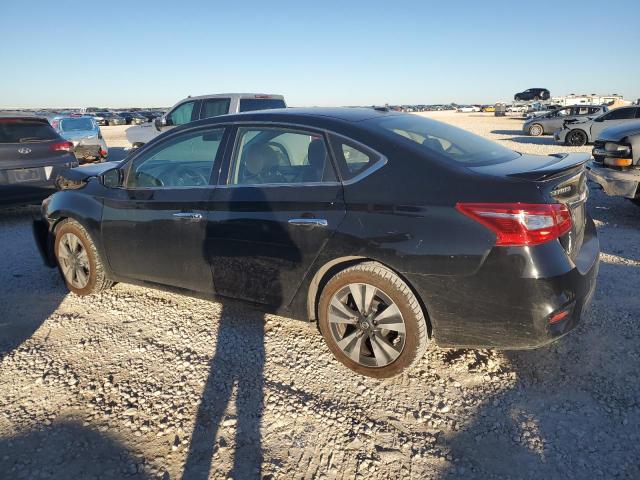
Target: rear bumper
{"x": 508, "y": 302}
{"x": 615, "y": 182}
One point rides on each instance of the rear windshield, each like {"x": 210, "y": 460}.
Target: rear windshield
{"x": 70, "y": 124}
{"x": 450, "y": 142}
{"x": 21, "y": 131}
{"x": 250, "y": 104}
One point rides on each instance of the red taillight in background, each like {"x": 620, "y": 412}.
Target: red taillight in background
{"x": 520, "y": 224}
{"x": 61, "y": 146}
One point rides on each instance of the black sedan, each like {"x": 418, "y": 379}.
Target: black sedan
{"x": 32, "y": 155}
{"x": 387, "y": 229}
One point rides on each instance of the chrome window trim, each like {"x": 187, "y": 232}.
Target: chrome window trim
{"x": 382, "y": 161}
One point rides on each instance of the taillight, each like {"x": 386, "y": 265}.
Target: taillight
{"x": 61, "y": 146}
{"x": 520, "y": 224}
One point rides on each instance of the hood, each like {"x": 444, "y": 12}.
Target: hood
{"x": 618, "y": 132}
{"x": 78, "y": 134}
{"x": 536, "y": 167}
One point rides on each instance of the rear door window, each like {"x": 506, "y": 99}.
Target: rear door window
{"x": 280, "y": 156}
{"x": 621, "y": 114}
{"x": 251, "y": 104}
{"x": 213, "y": 107}
{"x": 25, "y": 131}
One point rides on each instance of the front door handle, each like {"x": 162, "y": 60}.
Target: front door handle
{"x": 188, "y": 215}
{"x": 310, "y": 222}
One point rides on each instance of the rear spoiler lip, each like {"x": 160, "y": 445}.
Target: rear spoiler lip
{"x": 568, "y": 163}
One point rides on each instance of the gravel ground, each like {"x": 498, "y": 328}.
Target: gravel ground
{"x": 137, "y": 383}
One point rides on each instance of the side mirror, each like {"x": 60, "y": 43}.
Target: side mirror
{"x": 113, "y": 178}
{"x": 161, "y": 122}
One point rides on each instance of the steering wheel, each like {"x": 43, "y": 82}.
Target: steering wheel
{"x": 272, "y": 175}
{"x": 145, "y": 180}
{"x": 280, "y": 150}
{"x": 182, "y": 176}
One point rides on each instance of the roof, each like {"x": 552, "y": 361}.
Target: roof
{"x": 343, "y": 114}
{"x": 242, "y": 95}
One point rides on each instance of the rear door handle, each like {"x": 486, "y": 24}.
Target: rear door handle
{"x": 310, "y": 222}
{"x": 188, "y": 215}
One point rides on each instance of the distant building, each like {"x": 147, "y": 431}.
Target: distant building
{"x": 614, "y": 100}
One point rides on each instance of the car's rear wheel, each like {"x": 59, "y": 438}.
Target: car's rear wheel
{"x": 576, "y": 138}
{"x": 78, "y": 259}
{"x": 372, "y": 321}
{"x": 536, "y": 130}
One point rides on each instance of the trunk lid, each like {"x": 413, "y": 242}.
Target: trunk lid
{"x": 560, "y": 178}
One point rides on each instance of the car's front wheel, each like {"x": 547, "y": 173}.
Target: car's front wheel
{"x": 78, "y": 259}
{"x": 536, "y": 130}
{"x": 372, "y": 321}
{"x": 576, "y": 138}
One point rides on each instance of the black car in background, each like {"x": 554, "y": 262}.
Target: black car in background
{"x": 388, "y": 229}
{"x": 532, "y": 94}
{"x": 133, "y": 118}
{"x": 32, "y": 155}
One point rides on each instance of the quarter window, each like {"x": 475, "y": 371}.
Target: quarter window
{"x": 182, "y": 114}
{"x": 183, "y": 161}
{"x": 280, "y": 156}
{"x": 355, "y": 159}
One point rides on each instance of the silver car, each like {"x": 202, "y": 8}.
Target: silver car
{"x": 84, "y": 132}
{"x": 549, "y": 122}
{"x": 578, "y": 133}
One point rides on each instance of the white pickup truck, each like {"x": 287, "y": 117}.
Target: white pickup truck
{"x": 205, "y": 106}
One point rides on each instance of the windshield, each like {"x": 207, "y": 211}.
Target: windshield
{"x": 68, "y": 124}
{"x": 250, "y": 104}
{"x": 21, "y": 131}
{"x": 445, "y": 140}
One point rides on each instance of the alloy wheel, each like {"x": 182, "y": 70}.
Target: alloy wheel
{"x": 74, "y": 261}
{"x": 576, "y": 138}
{"x": 535, "y": 130}
{"x": 366, "y": 325}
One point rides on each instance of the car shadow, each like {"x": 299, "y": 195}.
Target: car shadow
{"x": 67, "y": 450}
{"x": 547, "y": 140}
{"x": 31, "y": 292}
{"x": 507, "y": 132}
{"x": 233, "y": 395}
{"x": 577, "y": 394}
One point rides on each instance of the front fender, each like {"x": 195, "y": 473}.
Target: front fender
{"x": 78, "y": 205}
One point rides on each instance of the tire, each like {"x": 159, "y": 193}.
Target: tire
{"x": 536, "y": 130}
{"x": 576, "y": 138}
{"x": 536, "y": 98}
{"x": 360, "y": 342}
{"x": 78, "y": 260}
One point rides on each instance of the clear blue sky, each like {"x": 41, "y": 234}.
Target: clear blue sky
{"x": 125, "y": 53}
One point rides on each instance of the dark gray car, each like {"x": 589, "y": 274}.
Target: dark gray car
{"x": 32, "y": 154}
{"x": 549, "y": 122}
